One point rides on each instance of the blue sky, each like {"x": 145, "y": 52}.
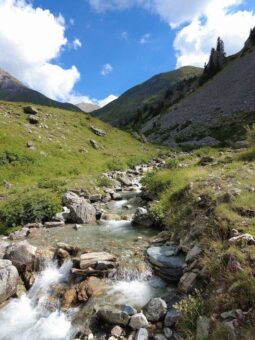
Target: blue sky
{"x": 94, "y": 50}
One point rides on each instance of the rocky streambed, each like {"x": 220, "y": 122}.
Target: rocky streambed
{"x": 97, "y": 270}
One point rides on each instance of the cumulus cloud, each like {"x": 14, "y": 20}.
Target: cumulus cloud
{"x": 145, "y": 38}
{"x": 197, "y": 23}
{"x": 32, "y": 38}
{"x": 106, "y": 69}
{"x": 76, "y": 99}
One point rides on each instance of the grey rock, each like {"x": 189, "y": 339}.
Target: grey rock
{"x": 94, "y": 144}
{"x": 125, "y": 180}
{"x": 70, "y": 198}
{"x": 92, "y": 259}
{"x": 82, "y": 213}
{"x": 171, "y": 317}
{"x": 117, "y": 331}
{"x": 142, "y": 334}
{"x": 138, "y": 321}
{"x": 168, "y": 332}
{"x": 202, "y": 332}
{"x": 3, "y": 246}
{"x": 128, "y": 309}
{"x": 95, "y": 198}
{"x": 168, "y": 267}
{"x": 8, "y": 280}
{"x": 22, "y": 255}
{"x": 63, "y": 215}
{"x": 113, "y": 317}
{"x": 142, "y": 217}
{"x": 155, "y": 309}
{"x": 33, "y": 225}
{"x": 160, "y": 337}
{"x": 116, "y": 196}
{"x": 193, "y": 253}
{"x": 30, "y": 110}
{"x": 54, "y": 224}
{"x": 187, "y": 282}
{"x": 20, "y": 234}
{"x": 98, "y": 132}
{"x": 104, "y": 265}
{"x": 33, "y": 119}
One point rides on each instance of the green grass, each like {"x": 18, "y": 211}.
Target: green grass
{"x": 63, "y": 157}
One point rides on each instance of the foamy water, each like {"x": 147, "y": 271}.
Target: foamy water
{"x": 33, "y": 316}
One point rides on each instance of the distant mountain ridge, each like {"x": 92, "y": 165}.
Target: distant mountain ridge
{"x": 122, "y": 111}
{"x": 12, "y": 90}
{"x": 88, "y": 107}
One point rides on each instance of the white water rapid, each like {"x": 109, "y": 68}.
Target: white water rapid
{"x": 35, "y": 317}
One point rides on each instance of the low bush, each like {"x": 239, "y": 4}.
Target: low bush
{"x": 28, "y": 209}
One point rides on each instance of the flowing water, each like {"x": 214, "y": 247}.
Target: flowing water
{"x": 38, "y": 316}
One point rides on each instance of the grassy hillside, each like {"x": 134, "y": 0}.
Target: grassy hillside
{"x": 206, "y": 205}
{"x": 123, "y": 110}
{"x": 60, "y": 155}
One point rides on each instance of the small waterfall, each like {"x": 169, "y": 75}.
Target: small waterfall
{"x": 119, "y": 204}
{"x": 35, "y": 316}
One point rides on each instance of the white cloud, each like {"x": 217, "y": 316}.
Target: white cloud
{"x": 198, "y": 23}
{"x": 106, "y": 100}
{"x": 145, "y": 38}
{"x": 76, "y": 44}
{"x": 124, "y": 35}
{"x": 76, "y": 99}
{"x": 31, "y": 39}
{"x": 106, "y": 69}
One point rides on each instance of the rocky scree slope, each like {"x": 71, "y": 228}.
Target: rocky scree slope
{"x": 215, "y": 113}
{"x": 13, "y": 90}
{"x": 122, "y": 111}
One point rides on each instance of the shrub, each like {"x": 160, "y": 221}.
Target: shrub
{"x": 172, "y": 163}
{"x": 190, "y": 308}
{"x": 116, "y": 165}
{"x": 33, "y": 208}
{"x": 104, "y": 181}
{"x": 14, "y": 158}
{"x": 53, "y": 184}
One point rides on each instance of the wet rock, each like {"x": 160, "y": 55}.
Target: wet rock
{"x": 95, "y": 286}
{"x": 111, "y": 217}
{"x": 54, "y": 224}
{"x": 104, "y": 265}
{"x": 9, "y": 278}
{"x": 168, "y": 332}
{"x": 43, "y": 258}
{"x": 75, "y": 295}
{"x": 63, "y": 215}
{"x": 30, "y": 110}
{"x": 138, "y": 321}
{"x": 202, "y": 332}
{"x": 117, "y": 331}
{"x": 193, "y": 253}
{"x": 168, "y": 267}
{"x": 187, "y": 282}
{"x": 77, "y": 226}
{"x": 98, "y": 132}
{"x": 113, "y": 317}
{"x": 116, "y": 196}
{"x": 155, "y": 309}
{"x": 91, "y": 259}
{"x": 142, "y": 334}
{"x": 95, "y": 198}
{"x": 171, "y": 317}
{"x": 125, "y": 180}
{"x": 73, "y": 251}
{"x": 128, "y": 309}
{"x": 22, "y": 254}
{"x": 142, "y": 217}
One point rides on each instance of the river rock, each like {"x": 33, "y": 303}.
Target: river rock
{"x": 142, "y": 334}
{"x": 168, "y": 332}
{"x": 63, "y": 215}
{"x": 138, "y": 321}
{"x": 193, "y": 253}
{"x": 125, "y": 180}
{"x": 54, "y": 224}
{"x": 187, "y": 282}
{"x": 113, "y": 317}
{"x": 171, "y": 317}
{"x": 43, "y": 258}
{"x": 22, "y": 254}
{"x": 117, "y": 331}
{"x": 83, "y": 213}
{"x": 70, "y": 198}
{"x": 3, "y": 246}
{"x": 155, "y": 309}
{"x": 9, "y": 278}
{"x": 142, "y": 217}
{"x": 33, "y": 225}
{"x": 92, "y": 259}
{"x": 165, "y": 263}
{"x": 19, "y": 234}
{"x": 128, "y": 309}
{"x": 116, "y": 196}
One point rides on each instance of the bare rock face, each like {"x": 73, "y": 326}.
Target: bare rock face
{"x": 8, "y": 280}
{"x": 22, "y": 254}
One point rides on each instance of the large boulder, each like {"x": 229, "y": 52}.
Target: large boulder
{"x": 138, "y": 321}
{"x": 165, "y": 263}
{"x": 8, "y": 280}
{"x": 113, "y": 317}
{"x": 22, "y": 254}
{"x": 142, "y": 217}
{"x": 3, "y": 246}
{"x": 80, "y": 210}
{"x": 187, "y": 282}
{"x": 30, "y": 110}
{"x": 155, "y": 309}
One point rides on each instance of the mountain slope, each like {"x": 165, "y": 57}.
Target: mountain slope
{"x": 122, "y": 111}
{"x": 216, "y": 111}
{"x": 13, "y": 90}
{"x": 87, "y": 107}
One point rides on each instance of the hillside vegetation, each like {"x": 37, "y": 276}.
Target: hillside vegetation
{"x": 122, "y": 112}
{"x": 57, "y": 154}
